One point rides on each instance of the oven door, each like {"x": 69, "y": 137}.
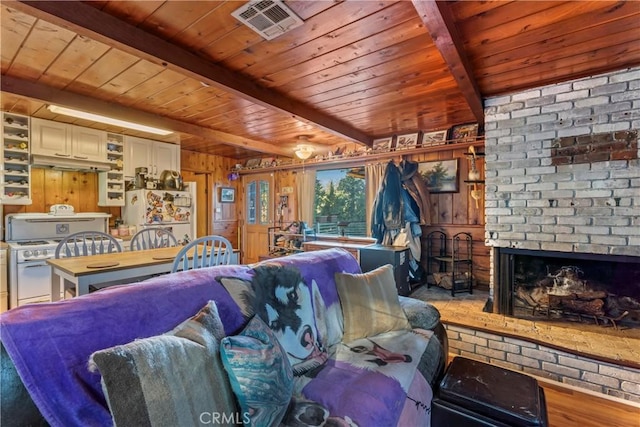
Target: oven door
{"x": 33, "y": 282}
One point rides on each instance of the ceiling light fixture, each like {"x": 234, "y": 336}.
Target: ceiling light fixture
{"x": 107, "y": 120}
{"x": 304, "y": 151}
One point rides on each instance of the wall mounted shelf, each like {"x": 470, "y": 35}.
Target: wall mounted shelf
{"x": 358, "y": 159}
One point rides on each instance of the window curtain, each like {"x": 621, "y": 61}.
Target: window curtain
{"x": 374, "y": 174}
{"x": 305, "y": 194}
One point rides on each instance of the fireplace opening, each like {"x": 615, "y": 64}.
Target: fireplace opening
{"x": 589, "y": 288}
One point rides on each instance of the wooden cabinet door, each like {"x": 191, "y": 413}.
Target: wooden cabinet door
{"x": 88, "y": 144}
{"x": 50, "y": 138}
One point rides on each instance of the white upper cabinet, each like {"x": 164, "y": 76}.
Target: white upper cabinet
{"x": 50, "y": 138}
{"x": 165, "y": 157}
{"x": 88, "y": 144}
{"x": 68, "y": 141}
{"x": 156, "y": 156}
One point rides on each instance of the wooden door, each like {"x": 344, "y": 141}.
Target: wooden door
{"x": 257, "y": 215}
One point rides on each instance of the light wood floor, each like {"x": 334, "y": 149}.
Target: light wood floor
{"x": 568, "y": 407}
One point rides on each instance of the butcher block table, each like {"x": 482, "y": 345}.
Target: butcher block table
{"x": 118, "y": 267}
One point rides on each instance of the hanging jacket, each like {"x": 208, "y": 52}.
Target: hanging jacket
{"x": 417, "y": 188}
{"x": 388, "y": 208}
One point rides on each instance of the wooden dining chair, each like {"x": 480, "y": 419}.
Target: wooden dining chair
{"x": 206, "y": 251}
{"x": 152, "y": 238}
{"x": 87, "y": 243}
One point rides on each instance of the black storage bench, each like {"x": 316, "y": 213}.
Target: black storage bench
{"x": 474, "y": 393}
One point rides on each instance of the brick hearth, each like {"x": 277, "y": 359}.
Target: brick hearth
{"x": 597, "y": 358}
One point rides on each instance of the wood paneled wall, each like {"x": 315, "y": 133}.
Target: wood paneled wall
{"x": 222, "y": 218}
{"x": 451, "y": 212}
{"x": 50, "y": 187}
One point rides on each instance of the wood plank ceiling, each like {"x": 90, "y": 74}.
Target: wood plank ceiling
{"x": 354, "y": 71}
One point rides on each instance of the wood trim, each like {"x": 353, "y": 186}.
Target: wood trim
{"x": 100, "y": 26}
{"x": 359, "y": 160}
{"x": 52, "y": 95}
{"x": 439, "y": 21}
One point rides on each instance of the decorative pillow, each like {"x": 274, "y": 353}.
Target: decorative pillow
{"x": 370, "y": 304}
{"x": 259, "y": 372}
{"x": 293, "y": 309}
{"x": 171, "y": 379}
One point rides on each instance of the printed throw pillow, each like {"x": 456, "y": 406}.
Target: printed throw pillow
{"x": 259, "y": 372}
{"x": 293, "y": 309}
{"x": 370, "y": 304}
{"x": 171, "y": 379}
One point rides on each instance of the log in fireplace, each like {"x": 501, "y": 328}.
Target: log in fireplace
{"x": 600, "y": 289}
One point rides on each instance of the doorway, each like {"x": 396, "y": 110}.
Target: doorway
{"x": 258, "y": 215}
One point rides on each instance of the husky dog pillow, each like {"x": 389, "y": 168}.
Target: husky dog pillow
{"x": 291, "y": 308}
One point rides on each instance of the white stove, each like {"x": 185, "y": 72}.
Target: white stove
{"x": 32, "y": 239}
{"x": 34, "y": 249}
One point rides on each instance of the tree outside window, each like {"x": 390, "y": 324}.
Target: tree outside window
{"x": 340, "y": 202}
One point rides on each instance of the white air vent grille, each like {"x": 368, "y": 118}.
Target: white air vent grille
{"x": 269, "y": 18}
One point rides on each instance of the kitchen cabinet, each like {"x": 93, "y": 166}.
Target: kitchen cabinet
{"x": 63, "y": 140}
{"x": 15, "y": 171}
{"x": 111, "y": 183}
{"x": 156, "y": 156}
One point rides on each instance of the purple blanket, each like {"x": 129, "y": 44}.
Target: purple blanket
{"x": 50, "y": 344}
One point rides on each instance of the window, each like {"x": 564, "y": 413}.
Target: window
{"x": 258, "y": 202}
{"x": 339, "y": 202}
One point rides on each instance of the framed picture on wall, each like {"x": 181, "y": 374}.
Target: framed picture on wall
{"x": 439, "y": 137}
{"x": 464, "y": 133}
{"x": 382, "y": 144}
{"x": 441, "y": 176}
{"x": 404, "y": 142}
{"x": 227, "y": 195}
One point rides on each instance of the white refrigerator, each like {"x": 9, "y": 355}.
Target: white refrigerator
{"x": 174, "y": 210}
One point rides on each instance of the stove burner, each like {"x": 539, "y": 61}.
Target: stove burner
{"x": 33, "y": 243}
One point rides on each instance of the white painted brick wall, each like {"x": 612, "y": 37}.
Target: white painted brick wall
{"x": 545, "y": 362}
{"x": 531, "y": 204}
{"x": 520, "y": 130}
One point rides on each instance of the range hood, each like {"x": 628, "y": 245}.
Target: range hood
{"x": 63, "y": 163}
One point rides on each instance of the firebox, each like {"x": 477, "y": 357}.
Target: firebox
{"x": 599, "y": 289}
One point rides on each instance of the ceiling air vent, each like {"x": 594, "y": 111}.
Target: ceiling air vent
{"x": 269, "y": 18}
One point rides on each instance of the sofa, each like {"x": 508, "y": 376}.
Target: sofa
{"x": 306, "y": 339}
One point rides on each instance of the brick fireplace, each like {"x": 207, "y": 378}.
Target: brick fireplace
{"x": 562, "y": 181}
{"x": 571, "y": 287}
{"x": 562, "y": 170}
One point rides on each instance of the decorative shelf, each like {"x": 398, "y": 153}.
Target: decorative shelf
{"x": 360, "y": 157}
{"x": 478, "y": 181}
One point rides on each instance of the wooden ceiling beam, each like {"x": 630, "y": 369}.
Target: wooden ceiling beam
{"x": 50, "y": 95}
{"x": 93, "y": 23}
{"x": 439, "y": 22}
